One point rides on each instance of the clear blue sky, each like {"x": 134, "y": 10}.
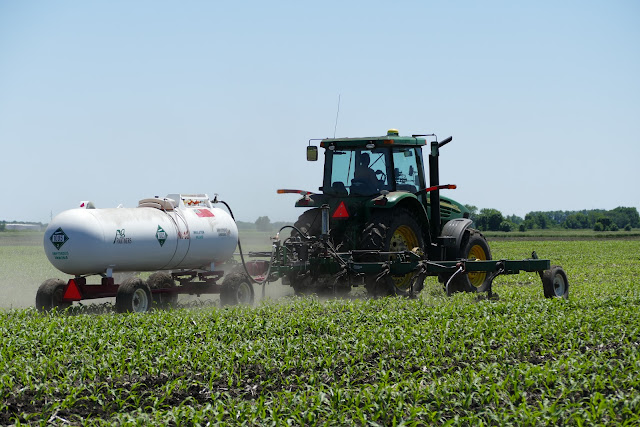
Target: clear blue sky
{"x": 117, "y": 101}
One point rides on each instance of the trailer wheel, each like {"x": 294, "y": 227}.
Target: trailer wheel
{"x": 162, "y": 280}
{"x": 473, "y": 247}
{"x": 49, "y": 295}
{"x": 391, "y": 232}
{"x": 236, "y": 289}
{"x": 134, "y": 296}
{"x": 555, "y": 283}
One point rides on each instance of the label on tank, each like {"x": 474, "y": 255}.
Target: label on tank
{"x": 58, "y": 238}
{"x": 161, "y": 235}
{"x": 60, "y": 255}
{"x": 121, "y": 238}
{"x": 204, "y": 213}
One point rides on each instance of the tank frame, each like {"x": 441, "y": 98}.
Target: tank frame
{"x": 77, "y": 288}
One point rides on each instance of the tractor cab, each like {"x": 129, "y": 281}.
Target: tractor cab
{"x": 369, "y": 166}
{"x": 361, "y": 171}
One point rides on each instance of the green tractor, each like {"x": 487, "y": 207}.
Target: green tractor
{"x": 380, "y": 202}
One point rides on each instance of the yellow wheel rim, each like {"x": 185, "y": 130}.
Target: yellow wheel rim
{"x": 477, "y": 277}
{"x": 403, "y": 239}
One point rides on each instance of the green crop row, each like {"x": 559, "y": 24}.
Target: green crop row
{"x": 461, "y": 360}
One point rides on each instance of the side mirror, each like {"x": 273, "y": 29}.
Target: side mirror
{"x": 312, "y": 153}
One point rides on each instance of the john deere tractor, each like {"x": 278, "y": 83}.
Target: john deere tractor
{"x": 380, "y": 205}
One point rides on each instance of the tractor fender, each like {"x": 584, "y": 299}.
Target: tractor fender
{"x": 402, "y": 199}
{"x": 391, "y": 200}
{"x": 451, "y": 236}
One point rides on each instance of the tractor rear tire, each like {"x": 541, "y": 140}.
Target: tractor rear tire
{"x": 133, "y": 296}
{"x": 163, "y": 280}
{"x": 474, "y": 246}
{"x": 49, "y": 295}
{"x": 391, "y": 231}
{"x": 310, "y": 223}
{"x": 555, "y": 283}
{"x": 237, "y": 289}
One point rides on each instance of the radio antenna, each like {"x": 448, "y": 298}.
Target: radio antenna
{"x": 337, "y": 114}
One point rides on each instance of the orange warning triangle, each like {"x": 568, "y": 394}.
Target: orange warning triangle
{"x": 341, "y": 211}
{"x": 72, "y": 293}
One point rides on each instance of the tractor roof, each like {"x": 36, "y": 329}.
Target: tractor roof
{"x": 391, "y": 138}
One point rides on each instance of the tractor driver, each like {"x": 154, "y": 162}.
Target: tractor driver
{"x": 366, "y": 175}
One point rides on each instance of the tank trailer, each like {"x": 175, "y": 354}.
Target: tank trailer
{"x": 182, "y": 238}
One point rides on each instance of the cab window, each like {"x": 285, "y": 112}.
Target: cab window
{"x": 405, "y": 169}
{"x": 356, "y": 172}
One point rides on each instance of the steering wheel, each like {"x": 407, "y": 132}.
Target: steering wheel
{"x": 384, "y": 175}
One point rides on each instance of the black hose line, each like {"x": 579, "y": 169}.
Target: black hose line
{"x": 244, "y": 264}
{"x": 327, "y": 245}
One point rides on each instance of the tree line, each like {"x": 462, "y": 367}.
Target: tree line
{"x": 595, "y": 219}
{"x": 3, "y": 224}
{"x": 263, "y": 223}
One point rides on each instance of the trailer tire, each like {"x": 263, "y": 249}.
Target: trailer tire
{"x": 134, "y": 296}
{"x": 49, "y": 295}
{"x": 390, "y": 231}
{"x": 162, "y": 280}
{"x": 555, "y": 283}
{"x": 474, "y": 246}
{"x": 237, "y": 288}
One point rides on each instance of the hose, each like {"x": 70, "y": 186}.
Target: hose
{"x": 326, "y": 243}
{"x": 244, "y": 264}
{"x": 458, "y": 271}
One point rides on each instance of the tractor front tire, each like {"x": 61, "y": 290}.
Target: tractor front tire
{"x": 474, "y": 246}
{"x": 49, "y": 295}
{"x": 237, "y": 288}
{"x": 391, "y": 231}
{"x": 133, "y": 296}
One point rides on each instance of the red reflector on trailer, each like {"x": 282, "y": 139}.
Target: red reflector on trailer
{"x": 341, "y": 211}
{"x": 72, "y": 293}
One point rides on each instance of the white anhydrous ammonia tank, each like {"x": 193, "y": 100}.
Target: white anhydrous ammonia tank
{"x": 177, "y": 232}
